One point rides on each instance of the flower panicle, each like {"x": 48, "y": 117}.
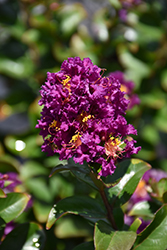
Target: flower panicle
{"x": 83, "y": 115}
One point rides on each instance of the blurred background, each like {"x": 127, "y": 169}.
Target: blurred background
{"x": 35, "y": 37}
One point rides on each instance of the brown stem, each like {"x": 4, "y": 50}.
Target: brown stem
{"x": 109, "y": 209}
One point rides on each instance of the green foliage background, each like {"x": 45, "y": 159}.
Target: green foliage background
{"x": 35, "y": 37}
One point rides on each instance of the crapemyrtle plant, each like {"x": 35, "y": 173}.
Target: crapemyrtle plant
{"x": 83, "y": 120}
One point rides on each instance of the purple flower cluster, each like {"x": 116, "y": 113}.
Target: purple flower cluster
{"x": 83, "y": 116}
{"x": 127, "y": 87}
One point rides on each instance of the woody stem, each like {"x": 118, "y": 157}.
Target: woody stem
{"x": 109, "y": 209}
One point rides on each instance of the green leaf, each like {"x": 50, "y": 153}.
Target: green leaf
{"x": 62, "y": 167}
{"x": 82, "y": 172}
{"x": 160, "y": 187}
{"x": 86, "y": 245}
{"x": 118, "y": 217}
{"x": 27, "y": 236}
{"x": 107, "y": 239}
{"x": 119, "y": 172}
{"x": 141, "y": 209}
{"x": 71, "y": 16}
{"x": 165, "y": 197}
{"x": 122, "y": 192}
{"x": 13, "y": 205}
{"x": 2, "y": 194}
{"x": 135, "y": 225}
{"x": 136, "y": 69}
{"x": 86, "y": 207}
{"x": 155, "y": 235}
{"x": 73, "y": 226}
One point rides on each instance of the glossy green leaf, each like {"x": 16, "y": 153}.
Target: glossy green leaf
{"x": 69, "y": 166}
{"x": 107, "y": 239}
{"x": 86, "y": 207}
{"x": 155, "y": 235}
{"x": 82, "y": 172}
{"x": 62, "y": 167}
{"x": 13, "y": 205}
{"x": 27, "y": 236}
{"x": 122, "y": 192}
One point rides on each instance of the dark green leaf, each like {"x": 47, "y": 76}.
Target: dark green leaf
{"x": 118, "y": 217}
{"x": 165, "y": 197}
{"x": 107, "y": 239}
{"x": 28, "y": 236}
{"x": 82, "y": 172}
{"x": 87, "y": 245}
{"x": 120, "y": 171}
{"x": 86, "y": 207}
{"x": 155, "y": 235}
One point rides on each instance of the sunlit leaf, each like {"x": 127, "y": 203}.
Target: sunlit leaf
{"x": 141, "y": 209}
{"x": 107, "y": 239}
{"x": 155, "y": 235}
{"x": 13, "y": 205}
{"x": 2, "y": 194}
{"x": 135, "y": 225}
{"x": 122, "y": 192}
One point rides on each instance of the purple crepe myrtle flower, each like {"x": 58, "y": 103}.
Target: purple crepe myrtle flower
{"x": 127, "y": 87}
{"x": 83, "y": 116}
{"x": 142, "y": 194}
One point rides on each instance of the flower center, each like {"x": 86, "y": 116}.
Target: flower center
{"x": 112, "y": 148}
{"x": 55, "y": 125}
{"x": 123, "y": 88}
{"x": 84, "y": 117}
{"x": 75, "y": 140}
{"x": 66, "y": 83}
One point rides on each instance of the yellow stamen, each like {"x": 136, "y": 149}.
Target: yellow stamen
{"x": 86, "y": 118}
{"x": 75, "y": 140}
{"x": 54, "y": 124}
{"x": 75, "y": 137}
{"x": 112, "y": 147}
{"x": 123, "y": 88}
{"x": 65, "y": 81}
